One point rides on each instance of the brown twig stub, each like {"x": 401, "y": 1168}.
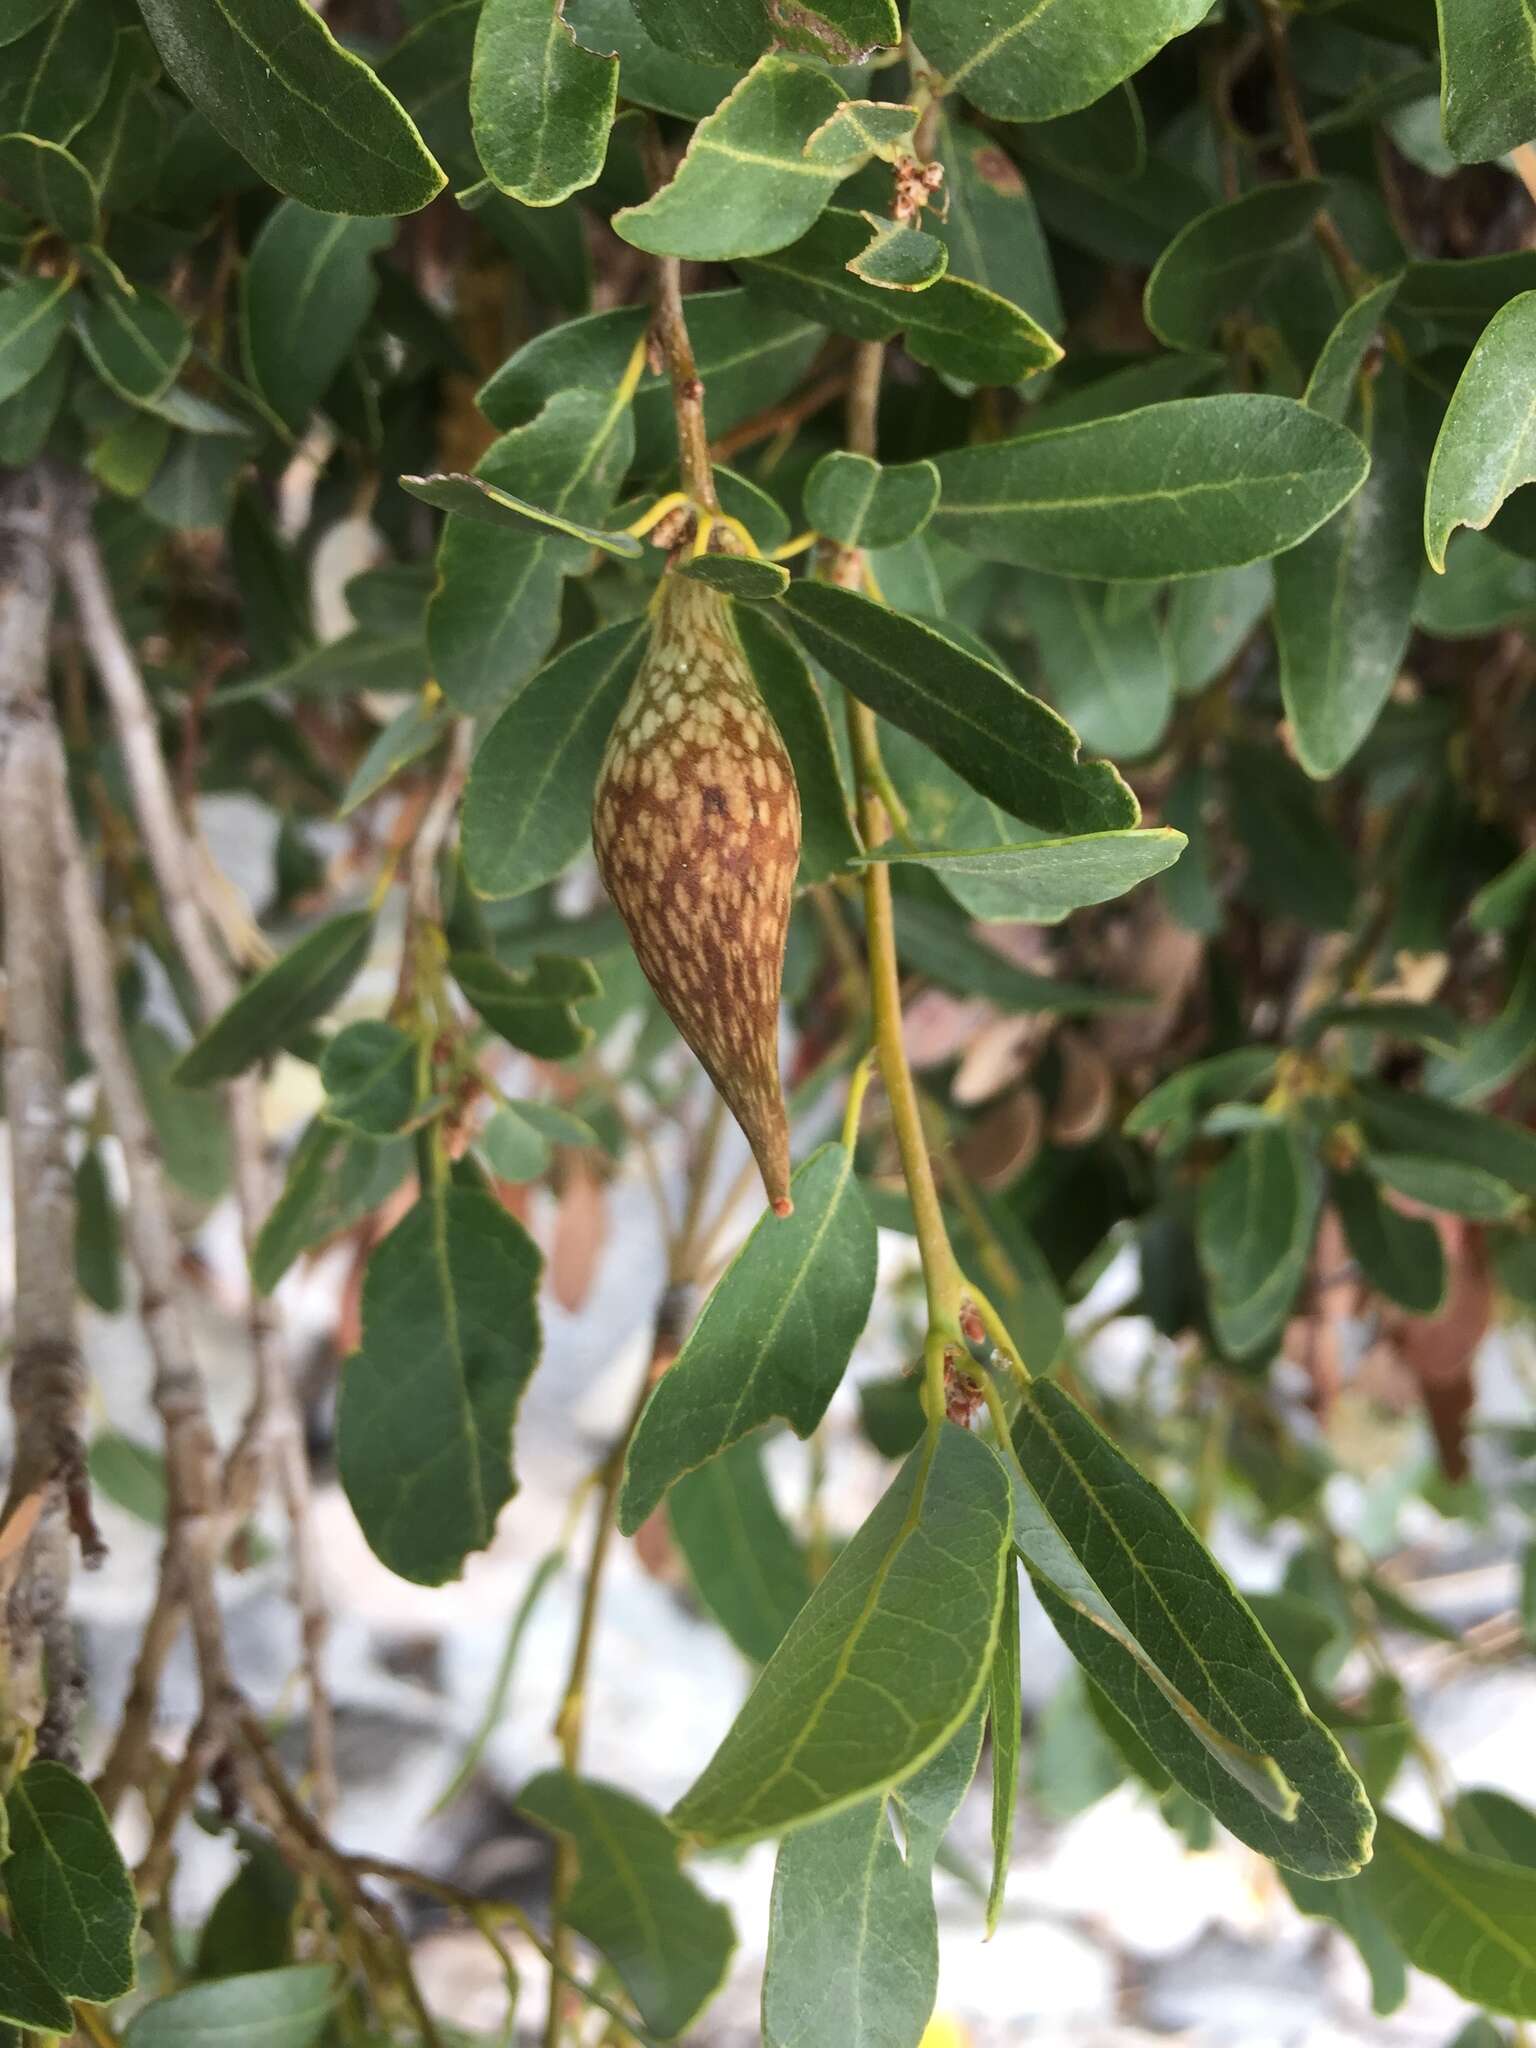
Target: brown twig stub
{"x": 47, "y": 1377}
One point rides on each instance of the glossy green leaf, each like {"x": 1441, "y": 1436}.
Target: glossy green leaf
{"x": 1047, "y": 879}
{"x": 136, "y": 345}
{"x": 1395, "y": 1121}
{"x": 1399, "y": 1255}
{"x": 739, "y": 576}
{"x": 533, "y": 1009}
{"x": 334, "y": 1179}
{"x": 1172, "y": 490}
{"x": 415, "y": 732}
{"x": 541, "y": 105}
{"x": 1175, "y": 1107}
{"x": 1154, "y": 1620}
{"x": 1482, "y": 589}
{"x": 856, "y": 1697}
{"x": 723, "y": 31}
{"x": 862, "y": 128}
{"x": 956, "y": 326}
{"x": 1212, "y": 268}
{"x": 1487, "y": 444}
{"x": 1344, "y": 599}
{"x": 774, "y": 1337}
{"x": 527, "y": 810}
{"x": 1210, "y": 617}
{"x": 827, "y": 842}
{"x": 1454, "y": 1185}
{"x": 29, "y": 415}
{"x": 307, "y": 290}
{"x": 1004, "y": 742}
{"x": 17, "y": 16}
{"x": 313, "y": 119}
{"x": 368, "y": 1072}
{"x": 33, "y": 316}
{"x": 70, "y": 1896}
{"x": 744, "y": 360}
{"x": 677, "y": 82}
{"x": 450, "y": 1338}
{"x": 1108, "y": 665}
{"x": 1331, "y": 386}
{"x": 853, "y": 1938}
{"x": 26, "y": 1996}
{"x": 287, "y": 2008}
{"x": 472, "y": 498}
{"x": 1494, "y": 1051}
{"x": 122, "y": 144}
{"x": 898, "y": 258}
{"x": 667, "y": 1941}
{"x": 1031, "y": 63}
{"x": 1466, "y": 290}
{"x": 54, "y": 77}
{"x": 853, "y": 499}
{"x": 496, "y": 609}
{"x": 1487, "y": 77}
{"x": 991, "y": 229}
{"x": 745, "y": 1565}
{"x": 285, "y": 997}
{"x": 51, "y": 184}
{"x": 746, "y": 184}
{"x": 1006, "y": 1719}
{"x": 1466, "y": 1919}
{"x": 1257, "y": 1213}
{"x": 1105, "y": 141}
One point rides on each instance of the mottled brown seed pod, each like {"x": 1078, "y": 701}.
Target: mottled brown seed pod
{"x": 696, "y": 823}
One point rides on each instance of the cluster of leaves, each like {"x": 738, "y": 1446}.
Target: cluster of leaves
{"x": 1198, "y": 356}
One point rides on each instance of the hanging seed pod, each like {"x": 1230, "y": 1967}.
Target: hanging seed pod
{"x": 696, "y": 823}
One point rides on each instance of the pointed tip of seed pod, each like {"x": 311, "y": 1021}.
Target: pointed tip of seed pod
{"x": 781, "y": 1205}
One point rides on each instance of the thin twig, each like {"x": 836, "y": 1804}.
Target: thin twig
{"x": 195, "y": 1524}
{"x": 1299, "y": 142}
{"x": 570, "y": 1717}
{"x": 272, "y": 1435}
{"x": 671, "y": 331}
{"x": 43, "y": 1685}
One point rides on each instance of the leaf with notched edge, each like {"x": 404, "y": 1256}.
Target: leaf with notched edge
{"x": 774, "y": 1337}
{"x": 1486, "y": 446}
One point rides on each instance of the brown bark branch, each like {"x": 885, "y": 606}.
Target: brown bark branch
{"x": 47, "y": 1377}
{"x": 272, "y": 1437}
{"x": 195, "y": 1523}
